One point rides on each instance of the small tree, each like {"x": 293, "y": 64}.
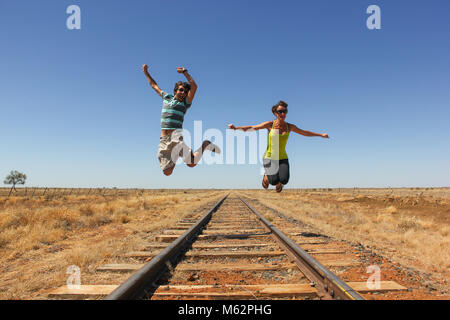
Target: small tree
{"x": 15, "y": 177}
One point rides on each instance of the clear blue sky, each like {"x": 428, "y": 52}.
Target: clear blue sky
{"x": 77, "y": 111}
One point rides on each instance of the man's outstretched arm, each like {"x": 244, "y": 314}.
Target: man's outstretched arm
{"x": 191, "y": 81}
{"x": 152, "y": 82}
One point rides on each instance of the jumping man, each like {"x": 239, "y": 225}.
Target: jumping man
{"x": 171, "y": 145}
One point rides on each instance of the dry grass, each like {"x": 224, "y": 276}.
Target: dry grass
{"x": 412, "y": 230}
{"x": 41, "y": 236}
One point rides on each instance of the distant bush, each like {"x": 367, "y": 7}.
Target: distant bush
{"x": 14, "y": 178}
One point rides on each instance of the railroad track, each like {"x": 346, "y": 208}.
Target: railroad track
{"x": 232, "y": 252}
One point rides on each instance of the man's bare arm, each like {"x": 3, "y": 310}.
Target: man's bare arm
{"x": 152, "y": 82}
{"x": 263, "y": 125}
{"x": 293, "y": 127}
{"x": 191, "y": 81}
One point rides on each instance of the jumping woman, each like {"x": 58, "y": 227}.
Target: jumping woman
{"x": 275, "y": 161}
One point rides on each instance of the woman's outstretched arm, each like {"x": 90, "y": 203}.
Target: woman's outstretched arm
{"x": 293, "y": 127}
{"x": 263, "y": 125}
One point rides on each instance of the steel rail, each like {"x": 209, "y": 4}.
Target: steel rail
{"x": 327, "y": 283}
{"x": 133, "y": 287}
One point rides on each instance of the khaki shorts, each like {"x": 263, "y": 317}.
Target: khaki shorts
{"x": 172, "y": 147}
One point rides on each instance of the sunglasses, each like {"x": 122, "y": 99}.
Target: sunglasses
{"x": 281, "y": 111}
{"x": 181, "y": 89}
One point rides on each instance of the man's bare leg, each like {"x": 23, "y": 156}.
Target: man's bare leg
{"x": 197, "y": 155}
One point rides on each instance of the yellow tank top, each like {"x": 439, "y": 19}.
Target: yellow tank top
{"x": 276, "y": 147}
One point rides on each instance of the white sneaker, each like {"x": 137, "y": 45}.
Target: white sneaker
{"x": 213, "y": 148}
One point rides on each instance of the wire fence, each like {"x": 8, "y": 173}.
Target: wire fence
{"x": 60, "y": 192}
{"x": 386, "y": 192}
{"x": 116, "y": 192}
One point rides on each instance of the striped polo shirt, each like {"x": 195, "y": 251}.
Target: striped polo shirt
{"x": 173, "y": 111}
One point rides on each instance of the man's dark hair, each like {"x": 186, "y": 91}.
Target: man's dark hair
{"x": 185, "y": 85}
{"x": 280, "y": 103}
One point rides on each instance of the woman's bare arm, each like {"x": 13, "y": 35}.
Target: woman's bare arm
{"x": 263, "y": 125}
{"x": 293, "y": 127}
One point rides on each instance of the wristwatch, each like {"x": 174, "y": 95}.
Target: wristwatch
{"x": 185, "y": 70}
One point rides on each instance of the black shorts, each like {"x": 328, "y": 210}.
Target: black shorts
{"x": 276, "y": 170}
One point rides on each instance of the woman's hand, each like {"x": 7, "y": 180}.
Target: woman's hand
{"x": 325, "y": 135}
{"x": 181, "y": 70}
{"x": 145, "y": 67}
{"x": 231, "y": 126}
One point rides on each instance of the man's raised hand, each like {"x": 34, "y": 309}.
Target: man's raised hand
{"x": 152, "y": 82}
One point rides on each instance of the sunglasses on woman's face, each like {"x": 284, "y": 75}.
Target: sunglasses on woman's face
{"x": 281, "y": 111}
{"x": 181, "y": 89}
